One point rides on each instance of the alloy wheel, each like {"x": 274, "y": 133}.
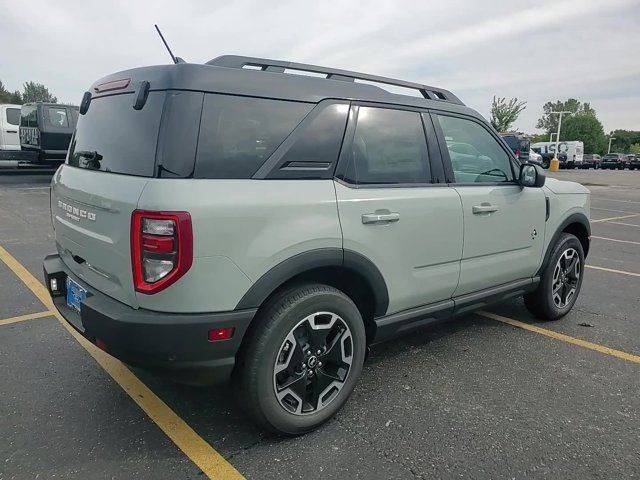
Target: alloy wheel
{"x": 566, "y": 276}
{"x": 313, "y": 363}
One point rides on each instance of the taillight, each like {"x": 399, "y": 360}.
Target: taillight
{"x": 161, "y": 248}
{"x": 517, "y": 153}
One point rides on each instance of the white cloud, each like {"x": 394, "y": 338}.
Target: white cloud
{"x": 535, "y": 50}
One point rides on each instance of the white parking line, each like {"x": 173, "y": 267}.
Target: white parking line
{"x": 611, "y": 270}
{"x": 626, "y": 224}
{"x": 614, "y": 200}
{"x": 615, "y": 240}
{"x": 612, "y": 210}
{"x": 615, "y": 218}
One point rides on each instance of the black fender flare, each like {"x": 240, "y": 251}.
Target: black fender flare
{"x": 318, "y": 258}
{"x": 580, "y": 218}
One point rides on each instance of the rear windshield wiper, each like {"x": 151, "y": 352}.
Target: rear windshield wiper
{"x": 92, "y": 159}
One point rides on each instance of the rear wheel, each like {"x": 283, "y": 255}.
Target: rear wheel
{"x": 560, "y": 281}
{"x": 302, "y": 360}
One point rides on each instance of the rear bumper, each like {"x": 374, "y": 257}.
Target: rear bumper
{"x": 170, "y": 343}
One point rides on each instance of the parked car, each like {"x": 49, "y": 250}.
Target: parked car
{"x": 614, "y": 161}
{"x": 9, "y": 123}
{"x": 46, "y": 130}
{"x": 633, "y": 161}
{"x": 267, "y": 227}
{"x": 535, "y": 158}
{"x": 547, "y": 155}
{"x": 519, "y": 144}
{"x": 570, "y": 152}
{"x": 591, "y": 160}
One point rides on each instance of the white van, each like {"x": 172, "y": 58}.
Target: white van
{"x": 9, "y": 126}
{"x": 570, "y": 153}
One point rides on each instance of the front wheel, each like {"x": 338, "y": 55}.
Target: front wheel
{"x": 560, "y": 281}
{"x": 302, "y": 359}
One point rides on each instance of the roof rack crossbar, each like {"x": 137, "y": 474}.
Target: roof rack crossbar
{"x": 278, "y": 66}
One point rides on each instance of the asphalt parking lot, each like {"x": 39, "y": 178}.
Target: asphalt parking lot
{"x": 491, "y": 395}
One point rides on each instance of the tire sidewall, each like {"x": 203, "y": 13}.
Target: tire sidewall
{"x": 279, "y": 419}
{"x": 565, "y": 242}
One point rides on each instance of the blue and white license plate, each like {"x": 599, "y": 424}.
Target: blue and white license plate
{"x": 75, "y": 294}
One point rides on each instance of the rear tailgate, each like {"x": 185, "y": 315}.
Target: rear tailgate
{"x": 91, "y": 214}
{"x": 111, "y": 158}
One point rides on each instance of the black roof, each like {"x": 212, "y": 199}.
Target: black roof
{"x": 258, "y": 77}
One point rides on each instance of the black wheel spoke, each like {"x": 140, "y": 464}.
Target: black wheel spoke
{"x": 321, "y": 381}
{"x": 333, "y": 352}
{"x": 318, "y": 337}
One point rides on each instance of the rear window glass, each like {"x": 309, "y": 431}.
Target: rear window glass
{"x": 113, "y": 137}
{"x": 237, "y": 134}
{"x": 13, "y": 116}
{"x": 57, "y": 117}
{"x": 389, "y": 147}
{"x": 29, "y": 116}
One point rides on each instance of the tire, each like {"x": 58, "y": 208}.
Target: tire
{"x": 542, "y": 302}
{"x": 272, "y": 355}
{"x": 545, "y": 163}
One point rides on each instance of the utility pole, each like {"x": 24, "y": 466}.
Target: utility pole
{"x": 558, "y": 133}
{"x": 609, "y": 149}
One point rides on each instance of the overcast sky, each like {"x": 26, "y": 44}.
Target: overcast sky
{"x": 536, "y": 50}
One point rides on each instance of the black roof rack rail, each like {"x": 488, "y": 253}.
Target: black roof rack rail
{"x": 279, "y": 66}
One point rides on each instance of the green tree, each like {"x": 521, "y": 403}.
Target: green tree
{"x": 635, "y": 148}
{"x": 549, "y": 122}
{"x": 588, "y": 130}
{"x": 538, "y": 137}
{"x": 624, "y": 139}
{"x": 9, "y": 97}
{"x": 36, "y": 92}
{"x": 504, "y": 114}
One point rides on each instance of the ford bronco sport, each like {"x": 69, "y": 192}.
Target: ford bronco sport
{"x": 238, "y": 220}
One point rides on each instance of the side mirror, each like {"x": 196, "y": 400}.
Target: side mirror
{"x": 531, "y": 176}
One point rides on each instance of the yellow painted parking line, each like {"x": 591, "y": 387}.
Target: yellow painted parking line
{"x": 615, "y": 218}
{"x": 22, "y": 318}
{"x": 615, "y": 240}
{"x": 193, "y": 445}
{"x": 611, "y": 270}
{"x": 629, "y": 357}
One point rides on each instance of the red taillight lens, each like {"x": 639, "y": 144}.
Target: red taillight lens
{"x": 161, "y": 248}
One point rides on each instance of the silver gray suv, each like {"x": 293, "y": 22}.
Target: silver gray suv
{"x": 264, "y": 222}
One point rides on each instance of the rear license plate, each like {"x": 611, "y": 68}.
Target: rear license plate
{"x": 75, "y": 294}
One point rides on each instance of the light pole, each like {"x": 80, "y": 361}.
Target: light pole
{"x": 558, "y": 133}
{"x": 609, "y": 149}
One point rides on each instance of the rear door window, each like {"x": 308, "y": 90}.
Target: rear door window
{"x": 113, "y": 137}
{"x": 29, "y": 116}
{"x": 13, "y": 116}
{"x": 57, "y": 117}
{"x": 389, "y": 147}
{"x": 237, "y": 134}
